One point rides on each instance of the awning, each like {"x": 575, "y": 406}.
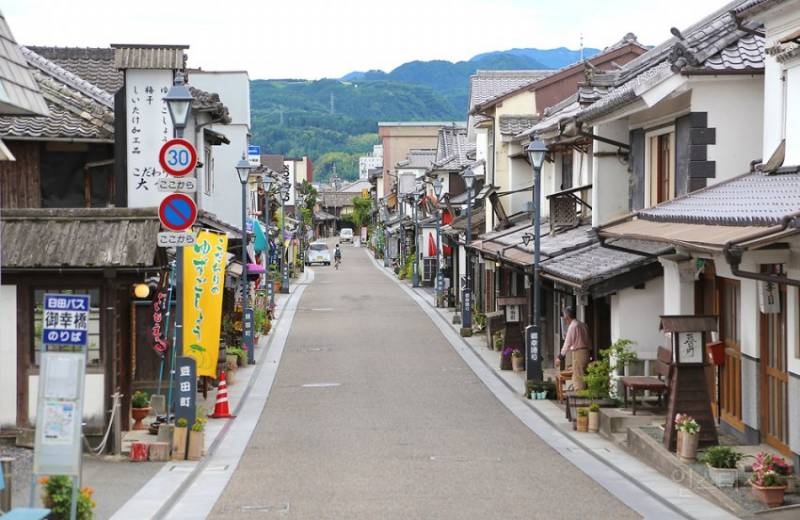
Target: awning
{"x": 699, "y": 237}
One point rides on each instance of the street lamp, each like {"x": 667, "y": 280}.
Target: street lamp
{"x": 437, "y": 190}
{"x": 536, "y": 151}
{"x": 243, "y": 169}
{"x": 466, "y": 297}
{"x": 179, "y": 104}
{"x": 415, "y": 214}
{"x": 284, "y": 194}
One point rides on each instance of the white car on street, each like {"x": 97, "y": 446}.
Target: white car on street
{"x": 346, "y": 235}
{"x": 318, "y": 253}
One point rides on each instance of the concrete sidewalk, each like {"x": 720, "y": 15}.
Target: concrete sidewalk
{"x": 607, "y": 462}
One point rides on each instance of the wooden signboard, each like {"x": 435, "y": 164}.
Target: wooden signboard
{"x": 688, "y": 389}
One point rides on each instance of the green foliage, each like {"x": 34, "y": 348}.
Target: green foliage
{"x": 181, "y": 422}
{"x": 722, "y": 457}
{"x": 57, "y": 496}
{"x": 362, "y": 209}
{"x": 583, "y": 411}
{"x": 598, "y": 372}
{"x": 236, "y": 351}
{"x": 200, "y": 420}
{"x": 594, "y": 407}
{"x": 407, "y": 271}
{"x": 140, "y": 399}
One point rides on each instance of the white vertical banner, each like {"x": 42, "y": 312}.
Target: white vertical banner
{"x": 148, "y": 127}
{"x": 769, "y": 298}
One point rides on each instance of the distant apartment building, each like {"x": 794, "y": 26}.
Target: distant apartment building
{"x": 373, "y": 160}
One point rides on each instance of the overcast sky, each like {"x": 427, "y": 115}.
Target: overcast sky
{"x": 329, "y": 38}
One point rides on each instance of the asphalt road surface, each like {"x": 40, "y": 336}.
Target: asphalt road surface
{"x": 373, "y": 415}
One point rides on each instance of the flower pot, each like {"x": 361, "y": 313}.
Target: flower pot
{"x": 518, "y": 363}
{"x": 687, "y": 449}
{"x": 722, "y": 477}
{"x": 771, "y": 496}
{"x": 196, "y": 444}
{"x": 138, "y": 415}
{"x": 582, "y": 423}
{"x": 505, "y": 362}
{"x": 179, "y": 443}
{"x": 594, "y": 421}
{"x": 231, "y": 361}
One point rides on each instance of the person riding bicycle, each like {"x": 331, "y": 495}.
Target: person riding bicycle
{"x": 337, "y": 254}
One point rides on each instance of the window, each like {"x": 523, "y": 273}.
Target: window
{"x": 208, "y": 171}
{"x": 93, "y": 342}
{"x": 660, "y": 178}
{"x": 566, "y": 170}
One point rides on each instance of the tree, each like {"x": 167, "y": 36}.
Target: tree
{"x": 362, "y": 208}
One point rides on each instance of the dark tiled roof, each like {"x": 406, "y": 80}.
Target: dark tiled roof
{"x": 452, "y": 149}
{"x": 149, "y": 56}
{"x": 20, "y": 91}
{"x": 709, "y": 45}
{"x": 593, "y": 264}
{"x": 79, "y": 237}
{"x": 750, "y": 7}
{"x": 512, "y": 125}
{"x": 94, "y": 64}
{"x": 78, "y": 109}
{"x": 486, "y": 85}
{"x": 754, "y": 199}
{"x": 209, "y": 102}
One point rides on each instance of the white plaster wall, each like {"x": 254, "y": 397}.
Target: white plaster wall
{"x": 610, "y": 177}
{"x": 793, "y": 115}
{"x": 234, "y": 91}
{"x": 749, "y": 318}
{"x": 739, "y": 132}
{"x": 678, "y": 292}
{"x": 793, "y": 325}
{"x": 521, "y": 177}
{"x": 93, "y": 398}
{"x": 634, "y": 316}
{"x": 548, "y": 178}
{"x": 8, "y": 354}
{"x": 773, "y": 106}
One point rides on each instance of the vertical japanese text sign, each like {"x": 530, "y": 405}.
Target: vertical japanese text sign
{"x": 148, "y": 127}
{"x": 186, "y": 389}
{"x": 204, "y": 276}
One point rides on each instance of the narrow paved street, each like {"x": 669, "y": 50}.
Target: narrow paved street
{"x": 373, "y": 415}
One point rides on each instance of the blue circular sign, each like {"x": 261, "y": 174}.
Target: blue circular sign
{"x": 177, "y": 212}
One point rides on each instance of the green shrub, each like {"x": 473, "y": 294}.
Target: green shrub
{"x": 722, "y": 457}
{"x": 140, "y": 399}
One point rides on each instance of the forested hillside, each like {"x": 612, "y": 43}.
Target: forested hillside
{"x": 335, "y": 121}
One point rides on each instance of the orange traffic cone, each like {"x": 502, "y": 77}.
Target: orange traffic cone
{"x": 221, "y": 407}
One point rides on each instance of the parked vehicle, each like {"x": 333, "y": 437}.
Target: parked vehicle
{"x": 318, "y": 253}
{"x": 346, "y": 235}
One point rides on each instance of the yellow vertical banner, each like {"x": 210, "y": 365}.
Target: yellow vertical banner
{"x": 203, "y": 277}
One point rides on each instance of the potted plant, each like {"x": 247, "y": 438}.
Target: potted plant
{"x": 57, "y": 496}
{"x": 179, "y": 439}
{"x": 505, "y": 358}
{"x": 197, "y": 436}
{"x": 232, "y": 355}
{"x": 594, "y": 418}
{"x": 688, "y": 437}
{"x": 720, "y": 464}
{"x": 498, "y": 341}
{"x": 517, "y": 360}
{"x": 140, "y": 408}
{"x": 768, "y": 481}
{"x": 582, "y": 421}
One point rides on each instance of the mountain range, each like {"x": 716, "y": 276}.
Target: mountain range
{"x": 334, "y": 121}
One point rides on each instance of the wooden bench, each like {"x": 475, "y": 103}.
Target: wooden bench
{"x": 658, "y": 384}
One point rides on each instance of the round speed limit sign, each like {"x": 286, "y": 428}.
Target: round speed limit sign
{"x": 177, "y": 157}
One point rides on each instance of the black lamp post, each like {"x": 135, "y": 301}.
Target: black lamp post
{"x": 243, "y": 168}
{"x": 179, "y": 105}
{"x": 266, "y": 181}
{"x": 284, "y": 194}
{"x": 385, "y": 219}
{"x": 415, "y": 214}
{"x": 437, "y": 190}
{"x": 466, "y": 296}
{"x": 536, "y": 151}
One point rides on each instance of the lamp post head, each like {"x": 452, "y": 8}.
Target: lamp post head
{"x": 179, "y": 102}
{"x": 266, "y": 180}
{"x": 243, "y": 169}
{"x": 526, "y": 238}
{"x": 437, "y": 187}
{"x": 536, "y": 151}
{"x": 469, "y": 177}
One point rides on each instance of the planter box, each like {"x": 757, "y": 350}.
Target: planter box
{"x": 772, "y": 496}
{"x": 179, "y": 443}
{"x": 594, "y": 422}
{"x": 196, "y": 444}
{"x": 722, "y": 477}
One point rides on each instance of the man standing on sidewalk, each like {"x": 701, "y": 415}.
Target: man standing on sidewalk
{"x": 577, "y": 342}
